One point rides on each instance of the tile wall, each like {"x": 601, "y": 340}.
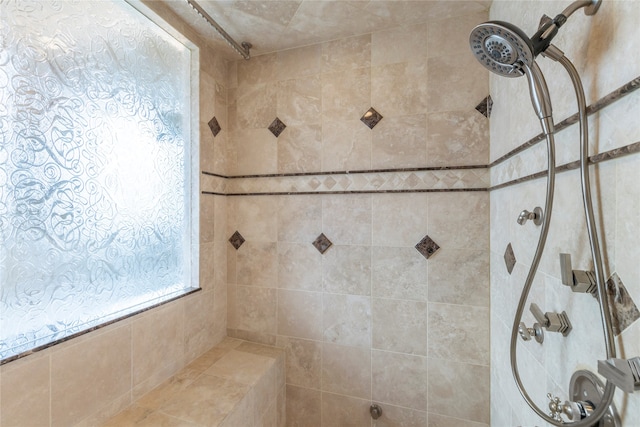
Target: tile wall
{"x": 371, "y": 318}
{"x": 86, "y": 380}
{"x": 600, "y": 46}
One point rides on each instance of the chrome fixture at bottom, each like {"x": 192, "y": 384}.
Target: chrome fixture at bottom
{"x": 375, "y": 411}
{"x": 586, "y": 388}
{"x": 535, "y": 216}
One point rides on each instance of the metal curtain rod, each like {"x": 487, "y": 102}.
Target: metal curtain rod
{"x": 242, "y": 49}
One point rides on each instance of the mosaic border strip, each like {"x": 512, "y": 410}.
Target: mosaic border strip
{"x": 616, "y": 153}
{"x": 346, "y": 183}
{"x": 603, "y": 102}
{"x": 388, "y": 180}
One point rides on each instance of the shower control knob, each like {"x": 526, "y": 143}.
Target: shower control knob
{"x": 535, "y": 216}
{"x": 527, "y": 333}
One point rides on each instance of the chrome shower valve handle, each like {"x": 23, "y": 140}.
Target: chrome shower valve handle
{"x": 527, "y": 333}
{"x": 552, "y": 322}
{"x": 536, "y": 216}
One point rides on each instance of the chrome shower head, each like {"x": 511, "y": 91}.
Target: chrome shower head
{"x": 502, "y": 48}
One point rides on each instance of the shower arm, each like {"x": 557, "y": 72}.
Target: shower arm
{"x": 607, "y": 397}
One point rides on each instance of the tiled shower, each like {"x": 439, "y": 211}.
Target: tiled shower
{"x": 404, "y": 299}
{"x": 365, "y": 316}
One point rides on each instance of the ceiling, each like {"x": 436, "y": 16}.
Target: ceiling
{"x": 274, "y": 25}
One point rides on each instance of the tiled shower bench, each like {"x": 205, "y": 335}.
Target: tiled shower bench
{"x": 235, "y": 384}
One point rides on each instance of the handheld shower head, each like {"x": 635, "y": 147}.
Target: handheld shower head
{"x": 502, "y": 48}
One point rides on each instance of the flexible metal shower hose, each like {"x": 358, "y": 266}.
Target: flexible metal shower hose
{"x": 609, "y": 390}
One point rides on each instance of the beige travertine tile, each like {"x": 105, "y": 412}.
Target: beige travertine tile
{"x": 396, "y": 416}
{"x": 207, "y": 215}
{"x": 299, "y": 62}
{"x": 346, "y": 54}
{"x": 303, "y": 407}
{"x": 299, "y": 218}
{"x": 137, "y": 416}
{"x": 300, "y": 314}
{"x": 256, "y": 309}
{"x": 255, "y": 151}
{"x": 400, "y": 142}
{"x": 442, "y": 421}
{"x": 300, "y": 148}
{"x": 157, "y": 339}
{"x": 347, "y": 270}
{"x": 346, "y": 95}
{"x": 256, "y": 218}
{"x": 399, "y": 326}
{"x": 459, "y": 276}
{"x": 399, "y": 379}
{"x": 346, "y": 370}
{"x": 347, "y": 220}
{"x": 206, "y": 401}
{"x": 159, "y": 396}
{"x": 299, "y": 266}
{"x": 261, "y": 69}
{"x": 198, "y": 324}
{"x": 398, "y": 273}
{"x": 281, "y": 407}
{"x": 269, "y": 417}
{"x": 346, "y": 319}
{"x": 399, "y": 44}
{"x": 257, "y": 264}
{"x": 256, "y": 105}
{"x": 102, "y": 372}
{"x": 459, "y": 220}
{"x": 207, "y": 263}
{"x": 303, "y": 365}
{"x": 441, "y": 40}
{"x": 300, "y": 101}
{"x": 25, "y": 392}
{"x": 457, "y": 138}
{"x": 444, "y": 379}
{"x": 346, "y": 145}
{"x": 453, "y": 83}
{"x": 241, "y": 367}
{"x": 344, "y": 411}
{"x": 399, "y": 219}
{"x": 454, "y": 333}
{"x": 394, "y": 92}
{"x": 261, "y": 350}
{"x": 205, "y": 361}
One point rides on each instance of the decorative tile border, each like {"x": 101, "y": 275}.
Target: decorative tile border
{"x": 407, "y": 180}
{"x": 593, "y": 108}
{"x": 597, "y": 158}
{"x": 383, "y": 182}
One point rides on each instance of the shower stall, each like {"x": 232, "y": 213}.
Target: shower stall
{"x": 359, "y": 208}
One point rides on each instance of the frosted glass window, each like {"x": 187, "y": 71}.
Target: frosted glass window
{"x": 96, "y": 188}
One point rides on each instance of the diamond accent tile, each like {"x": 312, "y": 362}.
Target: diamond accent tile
{"x": 322, "y": 243}
{"x": 509, "y": 258}
{"x": 236, "y": 240}
{"x": 371, "y": 118}
{"x": 485, "y": 106}
{"x": 276, "y": 127}
{"x": 214, "y": 126}
{"x": 623, "y": 310}
{"x": 427, "y": 247}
